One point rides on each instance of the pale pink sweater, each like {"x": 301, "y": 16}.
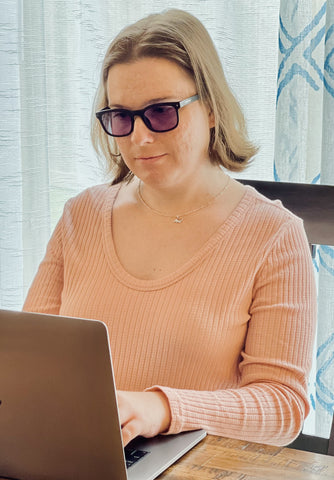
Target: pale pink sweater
{"x": 228, "y": 337}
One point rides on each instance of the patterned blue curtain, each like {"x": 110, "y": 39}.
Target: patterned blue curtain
{"x": 304, "y": 146}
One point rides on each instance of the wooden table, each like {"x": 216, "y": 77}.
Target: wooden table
{"x": 217, "y": 458}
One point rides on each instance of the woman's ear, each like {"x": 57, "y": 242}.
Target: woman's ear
{"x": 212, "y": 121}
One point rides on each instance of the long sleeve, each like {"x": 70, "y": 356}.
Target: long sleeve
{"x": 228, "y": 337}
{"x": 44, "y": 295}
{"x": 270, "y": 403}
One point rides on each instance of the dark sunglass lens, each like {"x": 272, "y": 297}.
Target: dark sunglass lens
{"x": 117, "y": 122}
{"x": 162, "y": 117}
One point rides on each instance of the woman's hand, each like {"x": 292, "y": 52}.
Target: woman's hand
{"x": 143, "y": 413}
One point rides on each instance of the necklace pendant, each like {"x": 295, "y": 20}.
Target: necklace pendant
{"x": 178, "y": 219}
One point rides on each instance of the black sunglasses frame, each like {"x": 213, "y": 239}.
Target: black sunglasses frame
{"x": 141, "y": 113}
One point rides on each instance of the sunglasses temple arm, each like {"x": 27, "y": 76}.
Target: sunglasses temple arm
{"x": 185, "y": 102}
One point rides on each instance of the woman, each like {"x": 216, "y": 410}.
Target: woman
{"x": 205, "y": 285}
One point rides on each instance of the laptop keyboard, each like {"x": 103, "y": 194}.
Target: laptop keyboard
{"x": 132, "y": 455}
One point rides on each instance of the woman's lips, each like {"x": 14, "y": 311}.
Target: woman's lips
{"x": 150, "y": 157}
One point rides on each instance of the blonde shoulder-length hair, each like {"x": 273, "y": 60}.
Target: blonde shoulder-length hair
{"x": 179, "y": 37}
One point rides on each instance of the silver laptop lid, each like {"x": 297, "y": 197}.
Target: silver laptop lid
{"x": 53, "y": 424}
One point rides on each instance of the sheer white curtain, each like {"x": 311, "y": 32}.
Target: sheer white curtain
{"x": 50, "y": 56}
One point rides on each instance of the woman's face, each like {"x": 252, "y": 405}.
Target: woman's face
{"x": 168, "y": 158}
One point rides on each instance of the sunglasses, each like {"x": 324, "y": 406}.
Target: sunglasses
{"x": 159, "y": 117}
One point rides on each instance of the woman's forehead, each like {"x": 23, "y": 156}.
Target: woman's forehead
{"x": 147, "y": 80}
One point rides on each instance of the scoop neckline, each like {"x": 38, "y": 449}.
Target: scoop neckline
{"x": 186, "y": 268}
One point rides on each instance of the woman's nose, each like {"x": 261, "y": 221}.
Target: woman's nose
{"x": 141, "y": 134}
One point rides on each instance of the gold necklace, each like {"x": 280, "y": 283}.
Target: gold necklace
{"x": 179, "y": 218}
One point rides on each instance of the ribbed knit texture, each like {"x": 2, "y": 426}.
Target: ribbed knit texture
{"x": 228, "y": 337}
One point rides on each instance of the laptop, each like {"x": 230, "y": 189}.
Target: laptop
{"x": 58, "y": 407}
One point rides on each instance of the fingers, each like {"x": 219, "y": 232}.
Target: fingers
{"x": 130, "y": 431}
{"x": 130, "y": 424}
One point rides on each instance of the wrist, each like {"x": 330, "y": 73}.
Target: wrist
{"x": 162, "y": 405}
{"x": 167, "y": 412}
